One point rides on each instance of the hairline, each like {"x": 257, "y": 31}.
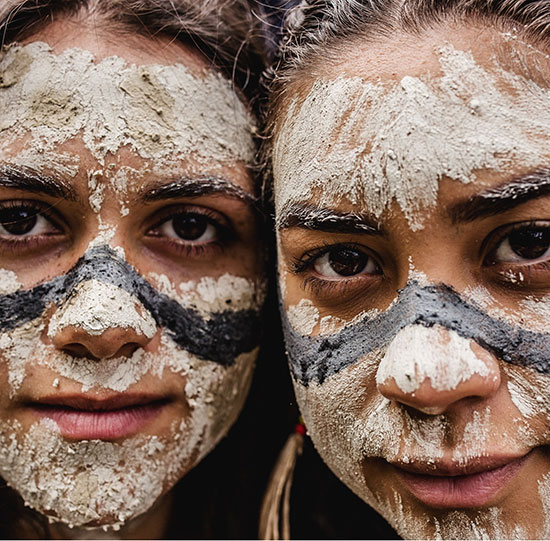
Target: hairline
{"x": 293, "y": 84}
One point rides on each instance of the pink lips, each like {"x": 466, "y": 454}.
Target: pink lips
{"x": 80, "y": 417}
{"x": 451, "y": 487}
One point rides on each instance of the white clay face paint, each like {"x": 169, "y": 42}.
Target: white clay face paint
{"x": 373, "y": 144}
{"x": 160, "y": 112}
{"x": 102, "y": 482}
{"x": 9, "y": 282}
{"x": 96, "y": 307}
{"x": 419, "y": 353}
{"x": 176, "y": 123}
{"x": 87, "y": 482}
{"x": 349, "y": 422}
{"x": 399, "y": 139}
{"x": 303, "y": 316}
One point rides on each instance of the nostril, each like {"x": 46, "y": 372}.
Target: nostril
{"x": 79, "y": 351}
{"x": 127, "y": 350}
{"x": 82, "y": 352}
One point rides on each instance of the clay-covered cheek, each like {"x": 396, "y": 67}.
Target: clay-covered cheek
{"x": 102, "y": 482}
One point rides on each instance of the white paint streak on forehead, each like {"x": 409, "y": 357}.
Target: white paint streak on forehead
{"x": 161, "y": 112}
{"x": 418, "y": 353}
{"x": 372, "y": 143}
{"x": 96, "y": 189}
{"x": 62, "y": 164}
{"x": 84, "y": 481}
{"x": 95, "y": 307}
{"x": 9, "y": 283}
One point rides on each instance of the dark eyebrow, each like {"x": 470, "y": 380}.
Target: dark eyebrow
{"x": 29, "y": 180}
{"x": 502, "y": 198}
{"x": 196, "y": 187}
{"x": 318, "y": 219}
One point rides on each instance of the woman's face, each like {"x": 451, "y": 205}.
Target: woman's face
{"x": 131, "y": 269}
{"x": 411, "y": 191}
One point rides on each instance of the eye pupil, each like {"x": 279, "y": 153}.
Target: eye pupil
{"x": 347, "y": 262}
{"x": 190, "y": 227}
{"x": 530, "y": 243}
{"x": 18, "y": 221}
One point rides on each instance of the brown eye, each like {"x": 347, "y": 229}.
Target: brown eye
{"x": 344, "y": 262}
{"x": 525, "y": 244}
{"x": 190, "y": 227}
{"x": 530, "y": 243}
{"x": 22, "y": 221}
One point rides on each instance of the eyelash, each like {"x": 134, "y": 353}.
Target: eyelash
{"x": 224, "y": 232}
{"x": 33, "y": 241}
{"x": 299, "y": 265}
{"x": 319, "y": 286}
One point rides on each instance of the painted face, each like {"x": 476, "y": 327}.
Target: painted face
{"x": 413, "y": 220}
{"x": 131, "y": 273}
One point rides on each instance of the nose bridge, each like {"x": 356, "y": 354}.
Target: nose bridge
{"x": 431, "y": 368}
{"x": 101, "y": 320}
{"x": 423, "y": 266}
{"x": 95, "y": 307}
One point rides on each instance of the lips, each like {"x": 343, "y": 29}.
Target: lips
{"x": 472, "y": 485}
{"x": 82, "y": 417}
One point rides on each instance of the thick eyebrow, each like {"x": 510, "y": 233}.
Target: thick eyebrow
{"x": 29, "y": 180}
{"x": 502, "y": 198}
{"x": 330, "y": 221}
{"x": 197, "y": 187}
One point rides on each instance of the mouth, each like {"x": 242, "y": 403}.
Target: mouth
{"x": 446, "y": 486}
{"x": 82, "y": 417}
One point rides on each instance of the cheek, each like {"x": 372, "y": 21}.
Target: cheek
{"x": 216, "y": 396}
{"x": 9, "y": 282}
{"x": 340, "y": 415}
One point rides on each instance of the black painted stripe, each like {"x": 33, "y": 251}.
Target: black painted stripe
{"x": 316, "y": 358}
{"x": 221, "y": 338}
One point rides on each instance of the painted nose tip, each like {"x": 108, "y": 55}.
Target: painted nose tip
{"x": 113, "y": 343}
{"x": 101, "y": 321}
{"x": 430, "y": 369}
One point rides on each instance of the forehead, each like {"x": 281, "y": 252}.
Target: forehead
{"x": 392, "y": 119}
{"x": 166, "y": 112}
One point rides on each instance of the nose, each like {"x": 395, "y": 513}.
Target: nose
{"x": 101, "y": 321}
{"x": 432, "y": 369}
